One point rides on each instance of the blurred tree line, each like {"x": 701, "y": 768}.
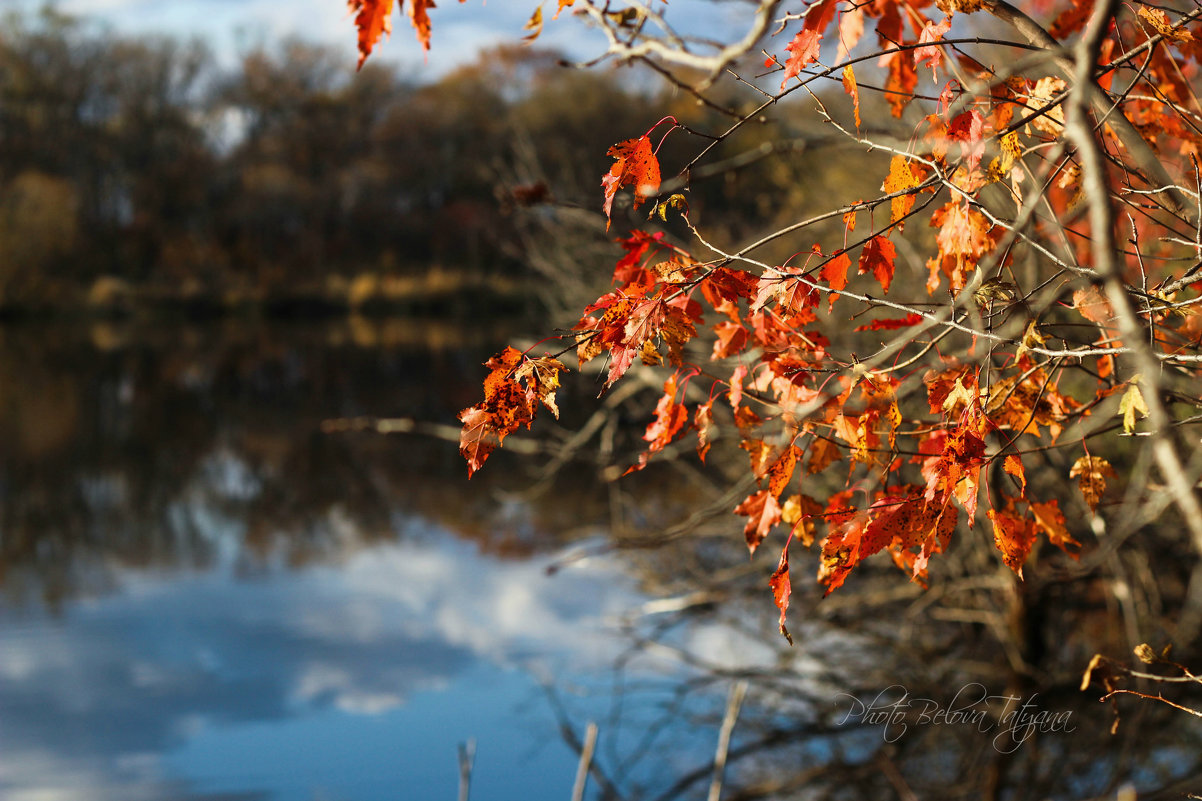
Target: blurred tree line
{"x": 141, "y": 169}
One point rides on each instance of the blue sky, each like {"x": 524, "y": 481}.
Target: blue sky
{"x": 459, "y": 29}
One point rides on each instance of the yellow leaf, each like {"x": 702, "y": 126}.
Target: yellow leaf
{"x": 1131, "y": 404}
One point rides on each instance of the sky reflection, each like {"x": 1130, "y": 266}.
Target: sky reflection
{"x": 339, "y": 681}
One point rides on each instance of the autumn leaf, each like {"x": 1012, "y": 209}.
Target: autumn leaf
{"x": 1132, "y": 404}
{"x": 891, "y": 325}
{"x": 878, "y": 258}
{"x": 782, "y": 470}
{"x": 901, "y": 82}
{"x": 703, "y": 421}
{"x": 782, "y": 588}
{"x": 968, "y": 129}
{"x": 932, "y": 54}
{"x": 1093, "y": 306}
{"x": 1014, "y": 536}
{"x": 1160, "y": 22}
{"x": 903, "y": 176}
{"x": 1091, "y": 473}
{"x": 478, "y": 439}
{"x": 506, "y": 407}
{"x": 804, "y": 50}
{"x": 534, "y": 25}
{"x": 420, "y": 20}
{"x": 541, "y": 376}
{"x": 1050, "y": 520}
{"x": 635, "y": 165}
{"x": 732, "y": 338}
{"x": 763, "y": 512}
{"x": 1013, "y": 464}
{"x": 850, "y": 86}
{"x": 670, "y": 417}
{"x": 823, "y": 453}
{"x": 373, "y": 19}
{"x": 834, "y": 272}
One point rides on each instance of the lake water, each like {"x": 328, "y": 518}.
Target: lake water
{"x": 204, "y": 596}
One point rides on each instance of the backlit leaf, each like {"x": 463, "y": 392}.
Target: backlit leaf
{"x": 636, "y": 166}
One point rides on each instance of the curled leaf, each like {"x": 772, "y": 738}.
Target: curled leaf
{"x": 1091, "y": 473}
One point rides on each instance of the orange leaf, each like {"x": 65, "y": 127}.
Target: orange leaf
{"x": 732, "y": 338}
{"x": 782, "y": 588}
{"x": 506, "y": 406}
{"x": 1013, "y": 465}
{"x": 782, "y": 470}
{"x": 901, "y": 82}
{"x": 1091, "y": 473}
{"x": 636, "y": 166}
{"x": 850, "y": 86}
{"x": 903, "y": 175}
{"x": 1051, "y": 522}
{"x": 834, "y": 272}
{"x": 373, "y": 19}
{"x": 763, "y": 512}
{"x": 822, "y": 453}
{"x": 1014, "y": 537}
{"x": 420, "y": 19}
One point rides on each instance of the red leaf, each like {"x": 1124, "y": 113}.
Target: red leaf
{"x": 969, "y": 129}
{"x": 878, "y": 257}
{"x": 636, "y": 166}
{"x": 889, "y": 325}
{"x": 933, "y": 55}
{"x": 506, "y": 406}
{"x": 782, "y": 588}
{"x": 763, "y": 512}
{"x": 670, "y": 417}
{"x": 804, "y": 47}
{"x": 478, "y": 438}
